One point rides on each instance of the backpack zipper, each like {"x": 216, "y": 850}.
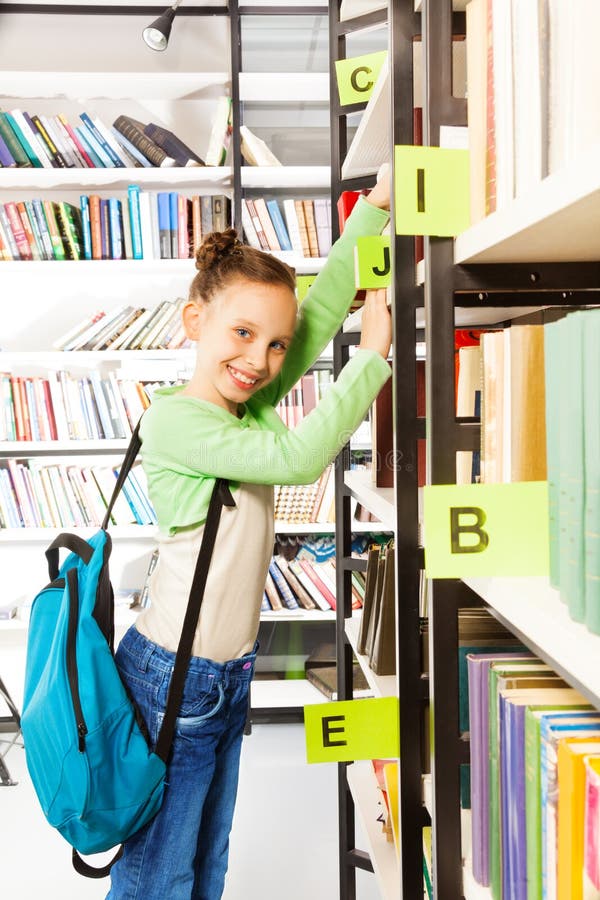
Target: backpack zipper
{"x": 72, "y": 657}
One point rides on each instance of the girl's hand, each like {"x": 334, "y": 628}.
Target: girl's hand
{"x": 376, "y": 323}
{"x": 380, "y": 195}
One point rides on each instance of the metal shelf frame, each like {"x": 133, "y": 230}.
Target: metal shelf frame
{"x": 445, "y": 286}
{"x": 403, "y": 28}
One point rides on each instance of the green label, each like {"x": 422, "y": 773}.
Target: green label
{"x": 352, "y": 729}
{"x": 486, "y": 529}
{"x": 356, "y": 77}
{"x": 303, "y": 283}
{"x": 431, "y": 188}
{"x": 372, "y": 262}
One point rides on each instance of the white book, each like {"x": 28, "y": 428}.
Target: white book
{"x": 154, "y": 221}
{"x": 503, "y": 102}
{"x": 56, "y": 137}
{"x": 126, "y": 339}
{"x": 146, "y": 226}
{"x": 291, "y": 220}
{"x": 308, "y": 585}
{"x": 255, "y": 151}
{"x": 249, "y": 229}
{"x": 108, "y": 136}
{"x": 529, "y": 131}
{"x": 477, "y": 50}
{"x": 93, "y": 329}
{"x": 120, "y": 406}
{"x": 220, "y": 134}
{"x": 36, "y": 144}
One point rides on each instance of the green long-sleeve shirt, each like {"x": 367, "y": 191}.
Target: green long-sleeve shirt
{"x": 188, "y": 442}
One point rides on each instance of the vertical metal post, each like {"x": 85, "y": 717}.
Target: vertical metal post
{"x": 235, "y": 32}
{"x": 442, "y": 437}
{"x": 403, "y": 26}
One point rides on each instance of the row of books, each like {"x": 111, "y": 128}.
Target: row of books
{"x": 305, "y": 583}
{"x": 51, "y": 142}
{"x": 377, "y": 632}
{"x": 540, "y": 420}
{"x": 142, "y": 225}
{"x": 61, "y": 407}
{"x": 304, "y": 396}
{"x": 36, "y": 495}
{"x": 303, "y": 503}
{"x": 526, "y": 120}
{"x": 304, "y": 227}
{"x": 535, "y": 780}
{"x": 129, "y": 328}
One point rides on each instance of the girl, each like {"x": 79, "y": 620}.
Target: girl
{"x": 253, "y": 346}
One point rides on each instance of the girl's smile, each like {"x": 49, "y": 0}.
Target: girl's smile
{"x": 242, "y": 337}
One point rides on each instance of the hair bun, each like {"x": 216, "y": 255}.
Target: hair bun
{"x": 216, "y": 247}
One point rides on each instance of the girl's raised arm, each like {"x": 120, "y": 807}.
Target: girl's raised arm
{"x": 329, "y": 298}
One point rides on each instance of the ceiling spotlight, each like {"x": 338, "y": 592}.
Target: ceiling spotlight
{"x": 157, "y": 34}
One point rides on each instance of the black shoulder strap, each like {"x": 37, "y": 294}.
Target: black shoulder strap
{"x": 221, "y": 496}
{"x": 132, "y": 451}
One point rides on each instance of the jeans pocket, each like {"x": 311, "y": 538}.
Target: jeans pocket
{"x": 205, "y": 709}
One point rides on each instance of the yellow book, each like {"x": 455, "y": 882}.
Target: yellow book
{"x": 571, "y": 807}
{"x": 390, "y": 774}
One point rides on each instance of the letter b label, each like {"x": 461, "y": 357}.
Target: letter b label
{"x": 468, "y": 520}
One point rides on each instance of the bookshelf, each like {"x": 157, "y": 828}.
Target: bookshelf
{"x": 538, "y": 251}
{"x": 170, "y": 88}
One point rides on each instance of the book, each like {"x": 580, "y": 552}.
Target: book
{"x": 133, "y": 130}
{"x": 13, "y": 143}
{"x": 220, "y": 135}
{"x": 325, "y": 679}
{"x": 571, "y": 814}
{"x": 591, "y": 849}
{"x": 254, "y": 150}
{"x": 278, "y": 224}
{"x": 591, "y": 443}
{"x": 172, "y": 145}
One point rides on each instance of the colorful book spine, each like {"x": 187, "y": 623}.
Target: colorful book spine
{"x": 133, "y": 196}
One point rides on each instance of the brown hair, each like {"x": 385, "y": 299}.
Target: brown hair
{"x": 222, "y": 259}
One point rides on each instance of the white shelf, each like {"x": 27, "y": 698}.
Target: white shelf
{"x": 85, "y": 358}
{"x": 284, "y": 87}
{"x": 111, "y": 85}
{"x": 39, "y": 448}
{"x": 200, "y": 179}
{"x": 381, "y": 685}
{"x": 369, "y": 805}
{"x": 87, "y": 268}
{"x": 293, "y": 177}
{"x": 379, "y": 501}
{"x": 370, "y": 145}
{"x": 43, "y": 535}
{"x": 284, "y": 692}
{"x": 297, "y": 615}
{"x": 534, "y": 612}
{"x": 304, "y": 265}
{"x": 465, "y": 317}
{"x": 325, "y": 527}
{"x": 558, "y": 220}
{"x": 350, "y": 9}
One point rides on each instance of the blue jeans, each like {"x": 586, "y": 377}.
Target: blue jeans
{"x": 182, "y": 853}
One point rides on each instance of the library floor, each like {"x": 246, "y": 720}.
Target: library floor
{"x": 283, "y": 844}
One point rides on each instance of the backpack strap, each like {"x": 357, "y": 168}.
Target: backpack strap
{"x": 221, "y": 496}
{"x": 84, "y": 868}
{"x": 132, "y": 451}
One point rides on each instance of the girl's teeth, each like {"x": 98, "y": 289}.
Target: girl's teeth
{"x": 243, "y": 377}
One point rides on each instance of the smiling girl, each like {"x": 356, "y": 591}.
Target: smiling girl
{"x": 253, "y": 344}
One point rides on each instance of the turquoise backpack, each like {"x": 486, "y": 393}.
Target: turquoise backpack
{"x": 97, "y": 778}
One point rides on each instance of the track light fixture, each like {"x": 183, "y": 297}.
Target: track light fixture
{"x": 157, "y": 34}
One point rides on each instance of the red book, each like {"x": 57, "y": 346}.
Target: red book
{"x": 312, "y": 574}
{"x": 16, "y": 226}
{"x": 49, "y": 409}
{"x": 346, "y": 203}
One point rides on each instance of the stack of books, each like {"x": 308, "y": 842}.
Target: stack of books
{"x": 141, "y": 225}
{"x": 304, "y": 228}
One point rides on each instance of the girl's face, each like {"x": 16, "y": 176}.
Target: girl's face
{"x": 243, "y": 335}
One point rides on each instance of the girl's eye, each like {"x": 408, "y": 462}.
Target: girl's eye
{"x": 243, "y": 332}
{"x": 279, "y": 345}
